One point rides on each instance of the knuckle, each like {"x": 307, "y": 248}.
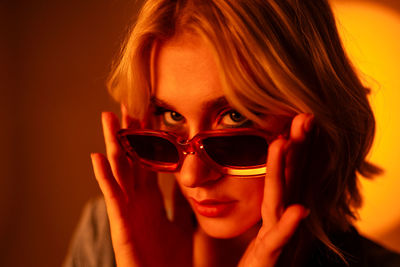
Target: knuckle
{"x": 115, "y": 154}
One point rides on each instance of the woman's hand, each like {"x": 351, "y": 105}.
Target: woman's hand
{"x": 279, "y": 222}
{"x": 140, "y": 231}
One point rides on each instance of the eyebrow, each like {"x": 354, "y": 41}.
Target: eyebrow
{"x": 207, "y": 106}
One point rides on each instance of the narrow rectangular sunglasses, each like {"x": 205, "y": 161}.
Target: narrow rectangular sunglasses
{"x": 237, "y": 152}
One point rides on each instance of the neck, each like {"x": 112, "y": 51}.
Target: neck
{"x": 209, "y": 251}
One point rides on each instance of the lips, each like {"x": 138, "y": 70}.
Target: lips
{"x": 213, "y": 207}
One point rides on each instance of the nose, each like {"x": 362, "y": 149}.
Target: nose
{"x": 195, "y": 172}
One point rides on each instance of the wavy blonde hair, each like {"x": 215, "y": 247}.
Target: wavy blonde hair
{"x": 274, "y": 57}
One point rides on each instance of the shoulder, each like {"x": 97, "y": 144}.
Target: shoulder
{"x": 357, "y": 250}
{"x": 377, "y": 255}
{"x": 91, "y": 243}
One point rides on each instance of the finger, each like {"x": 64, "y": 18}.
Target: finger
{"x": 113, "y": 195}
{"x": 269, "y": 243}
{"x": 127, "y": 120}
{"x": 297, "y": 144}
{"x": 298, "y": 127}
{"x": 280, "y": 235}
{"x": 107, "y": 183}
{"x": 143, "y": 177}
{"x": 121, "y": 166}
{"x": 273, "y": 205}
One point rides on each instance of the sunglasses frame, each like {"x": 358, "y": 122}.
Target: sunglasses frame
{"x": 195, "y": 146}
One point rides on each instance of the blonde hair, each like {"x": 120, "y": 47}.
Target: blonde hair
{"x": 274, "y": 57}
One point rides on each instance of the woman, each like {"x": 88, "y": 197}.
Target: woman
{"x": 210, "y": 91}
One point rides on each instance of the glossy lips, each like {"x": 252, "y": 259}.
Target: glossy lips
{"x": 212, "y": 207}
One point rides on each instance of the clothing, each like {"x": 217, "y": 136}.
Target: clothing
{"x": 358, "y": 250}
{"x": 91, "y": 245}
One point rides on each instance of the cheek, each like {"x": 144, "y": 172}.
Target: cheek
{"x": 250, "y": 198}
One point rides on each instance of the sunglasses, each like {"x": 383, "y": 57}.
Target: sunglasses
{"x": 239, "y": 152}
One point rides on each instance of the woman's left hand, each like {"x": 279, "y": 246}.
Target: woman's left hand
{"x": 279, "y": 222}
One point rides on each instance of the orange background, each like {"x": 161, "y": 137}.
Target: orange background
{"x": 55, "y": 58}
{"x": 371, "y": 33}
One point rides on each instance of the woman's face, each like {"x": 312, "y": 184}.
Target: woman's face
{"x": 188, "y": 100}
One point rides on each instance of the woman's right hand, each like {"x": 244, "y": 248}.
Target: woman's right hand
{"x": 140, "y": 231}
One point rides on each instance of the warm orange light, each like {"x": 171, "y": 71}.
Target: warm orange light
{"x": 371, "y": 34}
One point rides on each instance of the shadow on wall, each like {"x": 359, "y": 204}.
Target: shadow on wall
{"x": 57, "y": 57}
{"x": 392, "y": 236}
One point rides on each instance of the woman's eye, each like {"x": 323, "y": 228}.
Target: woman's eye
{"x": 233, "y": 118}
{"x": 172, "y": 118}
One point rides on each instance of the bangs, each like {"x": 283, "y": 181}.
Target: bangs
{"x": 255, "y": 72}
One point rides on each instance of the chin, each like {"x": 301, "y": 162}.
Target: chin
{"x": 226, "y": 228}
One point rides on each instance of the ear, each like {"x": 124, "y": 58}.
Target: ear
{"x": 128, "y": 121}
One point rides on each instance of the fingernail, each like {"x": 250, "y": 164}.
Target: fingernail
{"x": 123, "y": 108}
{"x": 309, "y": 123}
{"x": 104, "y": 114}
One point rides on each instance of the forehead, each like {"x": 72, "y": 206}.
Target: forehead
{"x": 185, "y": 71}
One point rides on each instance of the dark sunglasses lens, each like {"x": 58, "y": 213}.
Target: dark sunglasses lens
{"x": 154, "y": 148}
{"x": 239, "y": 150}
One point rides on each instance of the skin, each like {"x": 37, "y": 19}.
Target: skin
{"x": 187, "y": 78}
{"x": 258, "y": 223}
